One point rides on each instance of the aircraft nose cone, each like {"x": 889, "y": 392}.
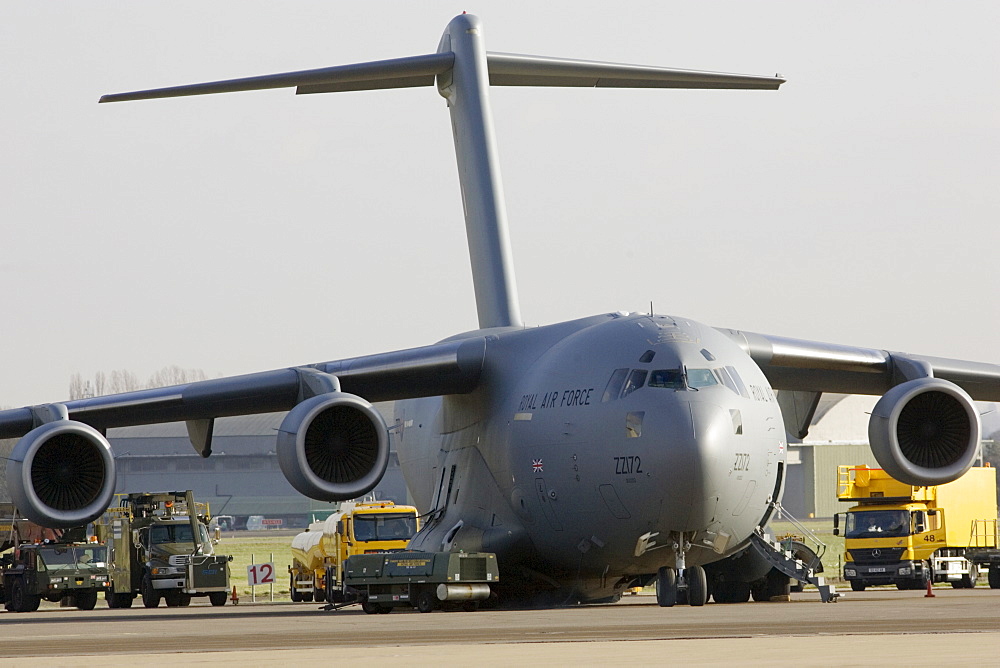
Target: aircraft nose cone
{"x": 696, "y": 448}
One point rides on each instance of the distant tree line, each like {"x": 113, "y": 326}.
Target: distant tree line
{"x": 123, "y": 380}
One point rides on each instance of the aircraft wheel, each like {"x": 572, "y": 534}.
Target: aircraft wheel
{"x": 666, "y": 587}
{"x": 859, "y": 585}
{"x": 697, "y": 585}
{"x": 426, "y": 601}
{"x": 218, "y": 598}
{"x": 731, "y": 592}
{"x": 86, "y": 600}
{"x": 150, "y": 597}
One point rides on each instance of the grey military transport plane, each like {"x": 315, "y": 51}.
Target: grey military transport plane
{"x": 590, "y": 455}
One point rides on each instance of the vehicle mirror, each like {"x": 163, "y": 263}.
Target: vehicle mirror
{"x": 218, "y": 534}
{"x": 836, "y": 524}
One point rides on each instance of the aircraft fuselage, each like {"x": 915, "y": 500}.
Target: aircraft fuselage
{"x": 597, "y": 450}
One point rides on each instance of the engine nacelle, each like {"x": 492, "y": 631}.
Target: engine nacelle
{"x": 333, "y": 447}
{"x": 62, "y": 474}
{"x": 925, "y": 432}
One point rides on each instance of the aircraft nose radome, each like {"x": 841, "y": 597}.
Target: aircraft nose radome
{"x": 697, "y": 449}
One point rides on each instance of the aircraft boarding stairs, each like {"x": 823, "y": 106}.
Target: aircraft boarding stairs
{"x": 780, "y": 555}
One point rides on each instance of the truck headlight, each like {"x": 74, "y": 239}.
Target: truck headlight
{"x": 905, "y": 570}
{"x": 850, "y": 572}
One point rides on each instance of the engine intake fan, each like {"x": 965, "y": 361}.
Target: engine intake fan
{"x": 925, "y": 432}
{"x": 333, "y": 447}
{"x": 62, "y": 474}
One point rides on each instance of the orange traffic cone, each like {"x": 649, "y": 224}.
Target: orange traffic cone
{"x": 234, "y": 597}
{"x": 930, "y": 590}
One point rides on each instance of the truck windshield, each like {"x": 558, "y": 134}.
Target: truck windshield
{"x": 385, "y": 526}
{"x": 57, "y": 558}
{"x": 877, "y": 524}
{"x": 175, "y": 533}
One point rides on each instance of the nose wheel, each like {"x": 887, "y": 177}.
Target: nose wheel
{"x": 666, "y": 587}
{"x": 694, "y": 585}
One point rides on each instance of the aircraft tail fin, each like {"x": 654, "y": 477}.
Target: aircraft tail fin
{"x": 463, "y": 71}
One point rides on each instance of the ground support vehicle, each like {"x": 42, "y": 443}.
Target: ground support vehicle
{"x": 318, "y": 554}
{"x": 424, "y": 580}
{"x": 984, "y": 550}
{"x": 71, "y": 572}
{"x": 159, "y": 547}
{"x": 911, "y": 535}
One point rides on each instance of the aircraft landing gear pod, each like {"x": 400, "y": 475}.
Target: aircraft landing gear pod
{"x": 333, "y": 447}
{"x": 925, "y": 432}
{"x": 62, "y": 474}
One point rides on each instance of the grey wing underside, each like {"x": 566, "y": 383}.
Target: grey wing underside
{"x": 802, "y": 370}
{"x": 451, "y": 367}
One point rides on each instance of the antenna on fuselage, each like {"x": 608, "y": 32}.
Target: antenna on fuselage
{"x": 463, "y": 72}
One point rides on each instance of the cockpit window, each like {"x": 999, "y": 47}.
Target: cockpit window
{"x": 614, "y": 386}
{"x": 671, "y": 379}
{"x": 701, "y": 378}
{"x": 636, "y": 379}
{"x": 739, "y": 381}
{"x": 726, "y": 379}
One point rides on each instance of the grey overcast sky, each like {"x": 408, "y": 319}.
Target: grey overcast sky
{"x": 235, "y": 233}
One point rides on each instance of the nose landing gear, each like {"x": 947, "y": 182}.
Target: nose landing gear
{"x": 691, "y": 586}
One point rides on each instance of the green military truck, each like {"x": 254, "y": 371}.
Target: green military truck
{"x": 424, "y": 580}
{"x": 159, "y": 547}
{"x": 64, "y": 567}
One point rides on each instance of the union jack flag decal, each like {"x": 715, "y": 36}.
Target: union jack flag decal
{"x": 536, "y": 465}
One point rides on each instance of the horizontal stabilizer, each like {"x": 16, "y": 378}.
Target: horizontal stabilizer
{"x": 511, "y": 69}
{"x": 395, "y": 73}
{"x": 505, "y": 69}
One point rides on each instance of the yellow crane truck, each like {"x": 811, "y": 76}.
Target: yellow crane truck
{"x": 912, "y": 535}
{"x": 318, "y": 554}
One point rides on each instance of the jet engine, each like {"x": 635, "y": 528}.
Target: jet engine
{"x": 333, "y": 447}
{"x": 62, "y": 474}
{"x": 925, "y": 431}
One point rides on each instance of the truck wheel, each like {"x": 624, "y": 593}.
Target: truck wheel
{"x": 384, "y": 609}
{"x": 426, "y": 601}
{"x": 172, "y": 598}
{"x": 293, "y": 592}
{"x": 184, "y": 600}
{"x": 150, "y": 597}
{"x": 16, "y": 595}
{"x": 859, "y": 585}
{"x": 87, "y": 599}
{"x": 218, "y": 598}
{"x": 470, "y": 606}
{"x": 994, "y": 577}
{"x": 370, "y": 608}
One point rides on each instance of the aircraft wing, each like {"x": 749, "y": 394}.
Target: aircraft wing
{"x": 451, "y": 367}
{"x": 810, "y": 366}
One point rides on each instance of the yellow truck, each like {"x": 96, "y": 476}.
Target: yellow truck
{"x": 908, "y": 535}
{"x": 318, "y": 554}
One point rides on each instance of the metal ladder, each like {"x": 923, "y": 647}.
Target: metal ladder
{"x": 785, "y": 561}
